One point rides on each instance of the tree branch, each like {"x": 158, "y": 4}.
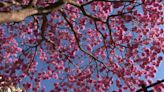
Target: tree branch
{"x": 20, "y": 15}
{"x": 33, "y": 2}
{"x": 78, "y": 41}
{"x": 151, "y": 85}
{"x": 16, "y": 16}
{"x": 8, "y": 4}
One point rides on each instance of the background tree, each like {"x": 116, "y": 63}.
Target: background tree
{"x": 80, "y": 44}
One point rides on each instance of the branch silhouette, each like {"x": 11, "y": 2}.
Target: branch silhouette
{"x": 151, "y": 85}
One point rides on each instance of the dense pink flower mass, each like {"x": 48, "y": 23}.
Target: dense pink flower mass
{"x": 83, "y": 46}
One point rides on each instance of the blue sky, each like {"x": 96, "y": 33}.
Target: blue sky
{"x": 159, "y": 75}
{"x": 160, "y": 72}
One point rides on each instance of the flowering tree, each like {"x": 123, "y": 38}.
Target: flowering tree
{"x": 83, "y": 45}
